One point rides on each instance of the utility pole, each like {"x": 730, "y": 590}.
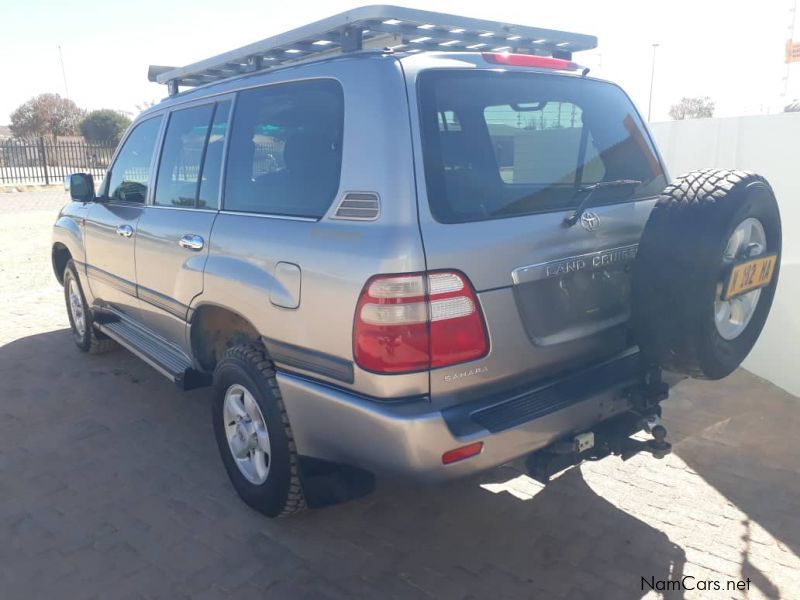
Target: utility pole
{"x": 63, "y": 71}
{"x": 652, "y": 78}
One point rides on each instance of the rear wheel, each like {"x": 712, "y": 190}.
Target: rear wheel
{"x": 253, "y": 433}
{"x": 704, "y": 223}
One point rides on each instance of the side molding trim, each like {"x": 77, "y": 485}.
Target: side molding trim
{"x": 310, "y": 360}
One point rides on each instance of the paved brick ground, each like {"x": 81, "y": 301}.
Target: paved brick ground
{"x": 110, "y": 487}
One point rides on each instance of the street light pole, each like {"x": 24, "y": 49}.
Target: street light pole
{"x": 652, "y": 78}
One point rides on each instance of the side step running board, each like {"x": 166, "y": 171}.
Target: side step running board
{"x": 166, "y": 360}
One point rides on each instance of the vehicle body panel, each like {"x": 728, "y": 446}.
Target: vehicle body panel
{"x": 408, "y": 439}
{"x": 68, "y": 230}
{"x": 169, "y": 277}
{"x": 335, "y": 256}
{"x": 110, "y": 262}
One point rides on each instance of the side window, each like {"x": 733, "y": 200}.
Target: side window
{"x": 285, "y": 152}
{"x": 538, "y": 143}
{"x": 130, "y": 174}
{"x": 212, "y": 163}
{"x": 181, "y": 156}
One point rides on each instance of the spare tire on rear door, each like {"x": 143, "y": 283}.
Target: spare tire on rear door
{"x": 704, "y": 277}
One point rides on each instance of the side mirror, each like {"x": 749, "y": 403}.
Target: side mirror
{"x": 80, "y": 186}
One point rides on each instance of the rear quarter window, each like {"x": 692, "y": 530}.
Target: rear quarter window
{"x": 285, "y": 153}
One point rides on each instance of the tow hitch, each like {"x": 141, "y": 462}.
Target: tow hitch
{"x": 609, "y": 437}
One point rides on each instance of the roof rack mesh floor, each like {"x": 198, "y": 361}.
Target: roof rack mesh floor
{"x": 380, "y": 26}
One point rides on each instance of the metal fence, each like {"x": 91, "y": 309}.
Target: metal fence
{"x": 47, "y": 161}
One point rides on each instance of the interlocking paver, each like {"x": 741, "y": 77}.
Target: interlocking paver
{"x": 110, "y": 487}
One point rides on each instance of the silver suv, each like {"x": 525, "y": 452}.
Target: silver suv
{"x": 396, "y": 241}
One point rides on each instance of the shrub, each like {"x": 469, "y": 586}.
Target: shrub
{"x": 104, "y": 126}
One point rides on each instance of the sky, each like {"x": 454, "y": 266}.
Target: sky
{"x": 729, "y": 50}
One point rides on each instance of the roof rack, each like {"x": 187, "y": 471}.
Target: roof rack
{"x": 380, "y": 26}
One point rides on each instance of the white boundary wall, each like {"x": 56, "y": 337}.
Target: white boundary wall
{"x": 769, "y": 145}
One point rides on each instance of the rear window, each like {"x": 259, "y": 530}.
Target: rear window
{"x": 499, "y": 144}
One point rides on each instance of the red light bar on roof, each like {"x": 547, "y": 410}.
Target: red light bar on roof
{"x": 530, "y": 60}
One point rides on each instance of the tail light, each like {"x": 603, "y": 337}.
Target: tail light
{"x": 418, "y": 321}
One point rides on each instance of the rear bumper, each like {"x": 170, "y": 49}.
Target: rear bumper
{"x": 409, "y": 438}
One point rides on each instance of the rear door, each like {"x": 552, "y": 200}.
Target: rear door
{"x": 507, "y": 155}
{"x": 174, "y": 230}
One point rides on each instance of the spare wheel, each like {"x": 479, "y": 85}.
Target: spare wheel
{"x": 706, "y": 271}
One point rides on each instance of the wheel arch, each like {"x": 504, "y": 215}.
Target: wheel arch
{"x": 60, "y": 256}
{"x": 213, "y": 329}
{"x": 67, "y": 244}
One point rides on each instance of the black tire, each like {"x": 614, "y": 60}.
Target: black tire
{"x": 281, "y": 494}
{"x": 679, "y": 269}
{"x": 86, "y": 337}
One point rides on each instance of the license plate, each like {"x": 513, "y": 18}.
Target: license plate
{"x": 748, "y": 276}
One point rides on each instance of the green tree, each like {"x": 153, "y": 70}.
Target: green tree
{"x": 46, "y": 114}
{"x": 104, "y": 125}
{"x": 692, "y": 108}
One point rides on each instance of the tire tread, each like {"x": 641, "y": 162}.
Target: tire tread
{"x": 256, "y": 356}
{"x": 98, "y": 343}
{"x": 705, "y": 186}
{"x": 101, "y": 345}
{"x": 679, "y": 239}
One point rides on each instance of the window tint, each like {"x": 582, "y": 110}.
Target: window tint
{"x": 130, "y": 174}
{"x": 539, "y": 144}
{"x": 286, "y": 149}
{"x": 448, "y": 121}
{"x": 212, "y": 163}
{"x": 181, "y": 155}
{"x": 499, "y": 144}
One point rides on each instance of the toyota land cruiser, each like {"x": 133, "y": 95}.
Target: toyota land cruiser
{"x": 406, "y": 242}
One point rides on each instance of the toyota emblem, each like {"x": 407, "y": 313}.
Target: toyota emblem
{"x": 590, "y": 221}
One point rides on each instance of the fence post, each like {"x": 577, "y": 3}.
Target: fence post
{"x": 43, "y": 158}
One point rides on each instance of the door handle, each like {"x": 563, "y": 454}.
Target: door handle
{"x": 191, "y": 241}
{"x": 125, "y": 231}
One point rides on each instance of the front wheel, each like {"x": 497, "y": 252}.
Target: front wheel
{"x": 253, "y": 434}
{"x": 86, "y": 337}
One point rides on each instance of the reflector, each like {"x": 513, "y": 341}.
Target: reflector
{"x": 461, "y": 453}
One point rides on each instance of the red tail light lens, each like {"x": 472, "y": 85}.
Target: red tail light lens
{"x": 530, "y": 60}
{"x": 418, "y": 321}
